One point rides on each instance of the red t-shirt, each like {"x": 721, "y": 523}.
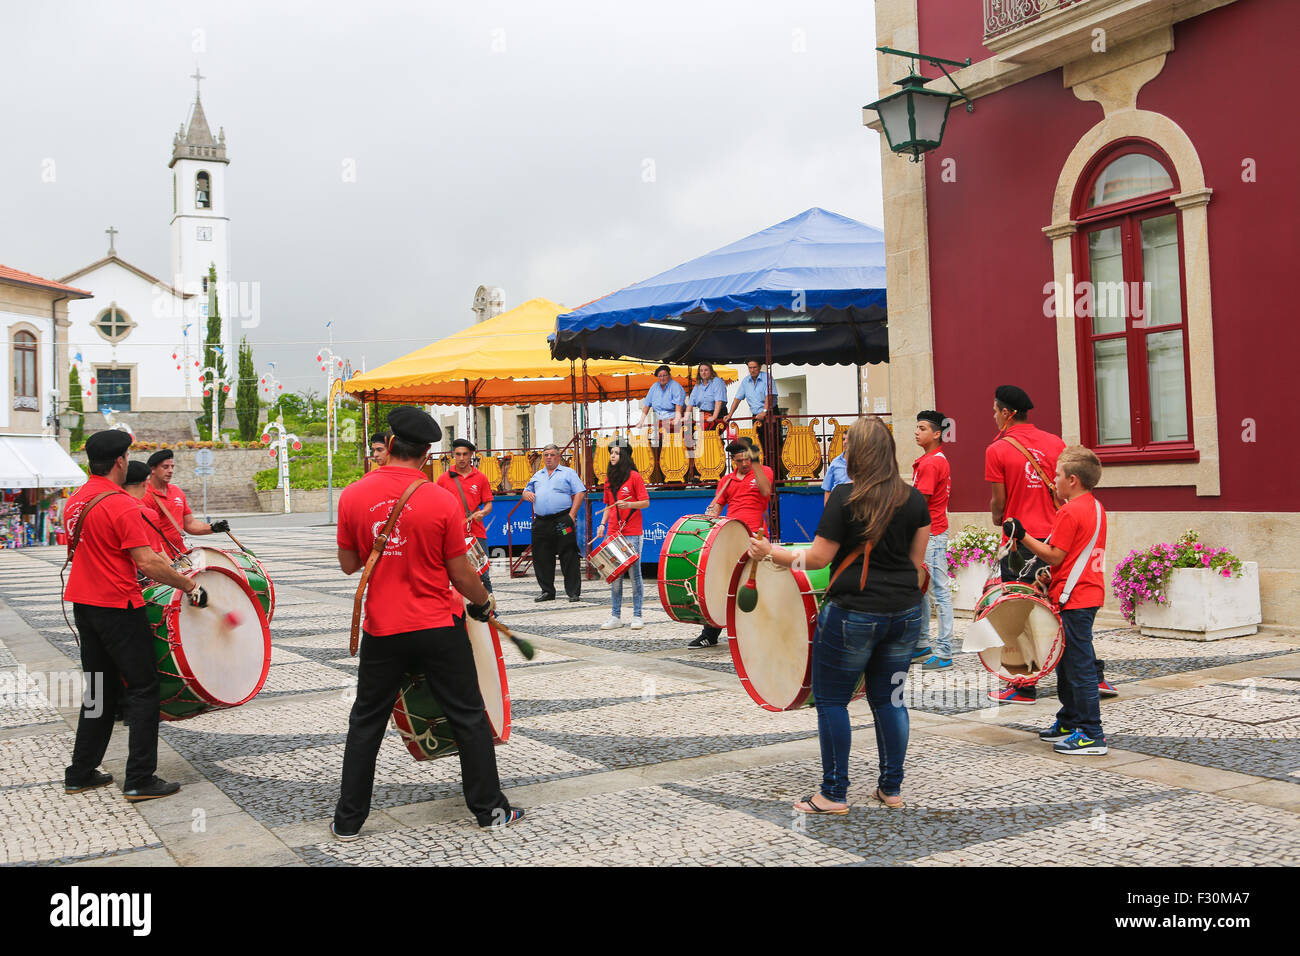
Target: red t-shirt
{"x": 103, "y": 574}
{"x": 745, "y": 501}
{"x": 932, "y": 477}
{"x": 173, "y": 499}
{"x": 1027, "y": 497}
{"x": 626, "y": 520}
{"x": 152, "y": 526}
{"x": 1072, "y": 531}
{"x": 477, "y": 491}
{"x": 409, "y": 589}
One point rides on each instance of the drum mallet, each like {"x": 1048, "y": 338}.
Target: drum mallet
{"x": 525, "y": 647}
{"x": 239, "y": 544}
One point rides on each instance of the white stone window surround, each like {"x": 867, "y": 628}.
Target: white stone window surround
{"x": 116, "y": 316}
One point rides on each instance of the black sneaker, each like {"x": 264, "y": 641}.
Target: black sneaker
{"x": 574, "y": 597}
{"x": 96, "y": 779}
{"x": 345, "y": 837}
{"x": 513, "y": 816}
{"x": 543, "y": 597}
{"x": 155, "y": 788}
{"x": 703, "y": 641}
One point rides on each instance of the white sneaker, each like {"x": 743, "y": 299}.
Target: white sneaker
{"x": 636, "y": 624}
{"x": 612, "y": 624}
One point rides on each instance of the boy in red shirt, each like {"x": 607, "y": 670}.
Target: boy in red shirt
{"x": 745, "y": 494}
{"x": 1076, "y": 551}
{"x": 932, "y": 477}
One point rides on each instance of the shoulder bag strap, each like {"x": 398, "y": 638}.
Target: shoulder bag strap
{"x": 1081, "y": 562}
{"x": 72, "y": 550}
{"x": 376, "y": 552}
{"x": 464, "y": 502}
{"x": 166, "y": 514}
{"x": 1048, "y": 482}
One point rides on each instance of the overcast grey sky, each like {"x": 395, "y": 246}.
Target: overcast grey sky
{"x": 500, "y": 143}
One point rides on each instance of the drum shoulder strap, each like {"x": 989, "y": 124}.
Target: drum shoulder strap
{"x": 862, "y": 551}
{"x": 377, "y": 552}
{"x": 1081, "y": 562}
{"x": 464, "y": 503}
{"x": 1048, "y": 482}
{"x": 157, "y": 503}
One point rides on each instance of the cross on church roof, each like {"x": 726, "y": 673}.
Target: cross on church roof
{"x": 112, "y": 234}
{"x": 198, "y": 78}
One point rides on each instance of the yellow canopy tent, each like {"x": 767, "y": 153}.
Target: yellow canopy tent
{"x": 505, "y": 360}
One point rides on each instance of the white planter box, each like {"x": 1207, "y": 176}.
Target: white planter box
{"x": 970, "y": 585}
{"x": 1205, "y": 606}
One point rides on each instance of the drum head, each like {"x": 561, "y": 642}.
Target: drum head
{"x": 1031, "y": 638}
{"x": 226, "y": 646}
{"x": 204, "y": 557}
{"x": 491, "y": 668}
{"x": 727, "y": 543}
{"x": 771, "y": 645}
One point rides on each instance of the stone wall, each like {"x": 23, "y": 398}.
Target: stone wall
{"x": 229, "y": 490}
{"x": 317, "y": 499}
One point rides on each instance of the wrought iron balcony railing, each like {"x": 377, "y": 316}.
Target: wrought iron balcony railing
{"x": 1003, "y": 16}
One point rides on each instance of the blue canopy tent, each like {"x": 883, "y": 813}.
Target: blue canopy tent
{"x": 816, "y": 282}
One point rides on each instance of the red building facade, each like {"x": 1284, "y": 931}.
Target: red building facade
{"x": 1111, "y": 229}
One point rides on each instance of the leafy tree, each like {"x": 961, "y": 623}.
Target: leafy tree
{"x": 214, "y": 356}
{"x": 77, "y": 434}
{"x": 247, "y": 407}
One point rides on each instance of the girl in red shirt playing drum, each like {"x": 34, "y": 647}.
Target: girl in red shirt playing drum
{"x": 625, "y": 497}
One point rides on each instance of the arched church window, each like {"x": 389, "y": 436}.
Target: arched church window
{"x": 113, "y": 324}
{"x": 203, "y": 191}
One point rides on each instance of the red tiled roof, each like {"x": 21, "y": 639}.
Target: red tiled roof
{"x": 19, "y": 277}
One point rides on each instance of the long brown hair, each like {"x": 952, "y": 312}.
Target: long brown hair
{"x": 878, "y": 488}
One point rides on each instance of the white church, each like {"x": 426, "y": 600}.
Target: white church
{"x": 138, "y": 344}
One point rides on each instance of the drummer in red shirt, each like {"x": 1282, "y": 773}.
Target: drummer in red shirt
{"x": 471, "y": 488}
{"x": 137, "y": 475}
{"x": 625, "y": 496}
{"x": 745, "y": 494}
{"x": 107, "y": 542}
{"x": 171, "y": 505}
{"x": 1076, "y": 553}
{"x": 414, "y": 622}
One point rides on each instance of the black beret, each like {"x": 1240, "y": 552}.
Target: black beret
{"x": 463, "y": 443}
{"x": 158, "y": 457}
{"x": 1013, "y": 397}
{"x": 414, "y": 426}
{"x": 137, "y": 472}
{"x": 107, "y": 445}
{"x": 933, "y": 417}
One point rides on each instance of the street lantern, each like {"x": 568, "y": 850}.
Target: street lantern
{"x": 914, "y": 118}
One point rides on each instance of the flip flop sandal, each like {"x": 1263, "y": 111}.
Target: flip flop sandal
{"x": 880, "y": 797}
{"x": 816, "y": 809}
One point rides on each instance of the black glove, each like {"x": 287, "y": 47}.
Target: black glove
{"x": 198, "y": 597}
{"x": 219, "y": 526}
{"x": 481, "y": 612}
{"x": 1013, "y": 529}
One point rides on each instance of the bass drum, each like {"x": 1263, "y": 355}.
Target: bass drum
{"x": 246, "y": 564}
{"x": 213, "y": 657}
{"x": 1017, "y": 634}
{"x": 419, "y": 718}
{"x": 695, "y": 567}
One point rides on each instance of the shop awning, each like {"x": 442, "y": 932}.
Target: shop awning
{"x": 35, "y": 461}
{"x": 504, "y": 360}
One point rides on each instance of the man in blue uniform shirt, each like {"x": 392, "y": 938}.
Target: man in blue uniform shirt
{"x": 556, "y": 493}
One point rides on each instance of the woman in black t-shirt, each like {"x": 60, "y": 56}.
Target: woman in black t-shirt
{"x": 872, "y": 614}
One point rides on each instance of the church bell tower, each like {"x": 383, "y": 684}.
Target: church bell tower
{"x": 200, "y": 228}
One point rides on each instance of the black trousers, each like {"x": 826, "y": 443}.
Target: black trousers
{"x": 116, "y": 645}
{"x": 555, "y": 535}
{"x": 444, "y": 656}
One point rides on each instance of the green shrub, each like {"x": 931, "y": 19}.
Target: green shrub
{"x": 310, "y": 471}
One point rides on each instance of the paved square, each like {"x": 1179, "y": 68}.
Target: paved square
{"x": 628, "y": 748}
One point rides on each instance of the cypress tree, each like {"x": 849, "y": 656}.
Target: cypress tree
{"x": 77, "y": 434}
{"x": 246, "y": 405}
{"x": 213, "y": 356}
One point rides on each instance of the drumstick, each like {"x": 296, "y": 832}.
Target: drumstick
{"x": 239, "y": 544}
{"x": 525, "y": 647}
{"x": 802, "y": 530}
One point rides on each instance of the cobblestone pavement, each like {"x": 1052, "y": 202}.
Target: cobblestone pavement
{"x": 628, "y": 748}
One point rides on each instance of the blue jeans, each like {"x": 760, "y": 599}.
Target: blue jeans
{"x": 1076, "y": 675}
{"x": 849, "y": 644}
{"x": 936, "y": 559}
{"x": 638, "y": 587}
